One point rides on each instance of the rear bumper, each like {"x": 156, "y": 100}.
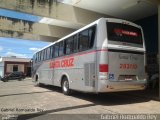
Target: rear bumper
{"x": 108, "y": 86}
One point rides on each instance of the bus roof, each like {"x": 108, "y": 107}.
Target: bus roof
{"x": 87, "y": 26}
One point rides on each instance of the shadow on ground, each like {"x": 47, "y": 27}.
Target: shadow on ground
{"x": 115, "y": 98}
{"x": 105, "y": 99}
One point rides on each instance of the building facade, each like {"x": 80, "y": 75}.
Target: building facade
{"x": 13, "y": 64}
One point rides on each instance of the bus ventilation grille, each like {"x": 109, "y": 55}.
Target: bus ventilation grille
{"x": 89, "y": 72}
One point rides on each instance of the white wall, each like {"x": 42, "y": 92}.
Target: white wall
{"x": 9, "y": 68}
{"x": 1, "y": 69}
{"x": 21, "y": 67}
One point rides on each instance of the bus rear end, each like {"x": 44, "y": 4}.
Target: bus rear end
{"x": 125, "y": 57}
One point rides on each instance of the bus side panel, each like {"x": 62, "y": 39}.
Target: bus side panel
{"x": 58, "y": 74}
{"x": 81, "y": 75}
{"x": 45, "y": 73}
{"x": 84, "y": 77}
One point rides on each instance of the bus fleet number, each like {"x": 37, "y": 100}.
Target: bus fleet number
{"x": 128, "y": 66}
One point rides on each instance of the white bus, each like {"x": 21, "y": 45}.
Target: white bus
{"x": 107, "y": 55}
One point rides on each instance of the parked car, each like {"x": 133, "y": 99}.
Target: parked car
{"x": 13, "y": 76}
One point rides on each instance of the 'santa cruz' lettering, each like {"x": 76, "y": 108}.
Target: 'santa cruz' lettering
{"x": 69, "y": 62}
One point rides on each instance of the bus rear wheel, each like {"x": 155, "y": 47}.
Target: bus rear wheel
{"x": 65, "y": 86}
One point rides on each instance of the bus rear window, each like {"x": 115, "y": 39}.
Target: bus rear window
{"x": 124, "y": 33}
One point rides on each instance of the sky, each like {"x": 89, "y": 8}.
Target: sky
{"x": 18, "y": 47}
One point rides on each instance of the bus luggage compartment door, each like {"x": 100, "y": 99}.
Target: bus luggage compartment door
{"x": 126, "y": 66}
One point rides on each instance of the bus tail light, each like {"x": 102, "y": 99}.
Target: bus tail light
{"x": 103, "y": 71}
{"x": 103, "y": 68}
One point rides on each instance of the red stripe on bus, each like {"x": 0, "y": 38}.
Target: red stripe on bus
{"x": 84, "y": 53}
{"x": 77, "y": 54}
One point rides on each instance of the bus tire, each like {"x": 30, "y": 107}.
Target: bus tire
{"x": 65, "y": 86}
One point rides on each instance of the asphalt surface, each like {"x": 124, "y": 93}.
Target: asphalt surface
{"x": 47, "y": 102}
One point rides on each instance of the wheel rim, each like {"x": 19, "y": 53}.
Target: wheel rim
{"x": 65, "y": 86}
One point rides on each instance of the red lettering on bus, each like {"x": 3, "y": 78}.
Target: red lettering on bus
{"x": 125, "y": 32}
{"x": 69, "y": 62}
{"x": 51, "y": 64}
{"x": 128, "y": 66}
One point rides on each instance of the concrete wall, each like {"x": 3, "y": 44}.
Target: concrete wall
{"x": 52, "y": 9}
{"x": 11, "y": 27}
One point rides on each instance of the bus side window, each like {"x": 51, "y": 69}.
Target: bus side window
{"x": 45, "y": 54}
{"x": 42, "y": 55}
{"x": 86, "y": 39}
{"x": 83, "y": 40}
{"x": 56, "y": 48}
{"x": 92, "y": 36}
{"x": 36, "y": 58}
{"x": 69, "y": 45}
{"x": 61, "y": 48}
{"x": 48, "y": 53}
{"x": 75, "y": 43}
{"x": 53, "y": 51}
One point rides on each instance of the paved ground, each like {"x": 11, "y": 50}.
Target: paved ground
{"x": 21, "y": 97}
